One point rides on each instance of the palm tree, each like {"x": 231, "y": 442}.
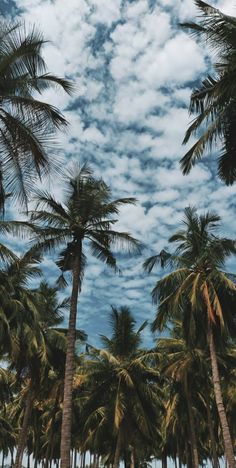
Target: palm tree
{"x": 199, "y": 285}
{"x": 27, "y": 124}
{"x": 26, "y": 351}
{"x": 123, "y": 394}
{"x": 182, "y": 361}
{"x": 214, "y": 101}
{"x": 87, "y": 216}
{"x": 8, "y": 435}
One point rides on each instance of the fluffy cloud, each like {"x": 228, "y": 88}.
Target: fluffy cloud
{"x": 134, "y": 69}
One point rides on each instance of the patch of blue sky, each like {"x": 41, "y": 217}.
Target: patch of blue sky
{"x": 134, "y": 68}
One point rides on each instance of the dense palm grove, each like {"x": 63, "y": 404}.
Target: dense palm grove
{"x": 64, "y": 402}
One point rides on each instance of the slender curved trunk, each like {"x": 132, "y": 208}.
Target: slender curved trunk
{"x": 194, "y": 449}
{"x": 118, "y": 450}
{"x": 69, "y": 367}
{"x": 215, "y": 462}
{"x": 24, "y": 429}
{"x": 229, "y": 452}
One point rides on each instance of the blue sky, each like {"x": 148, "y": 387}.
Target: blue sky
{"x": 134, "y": 69}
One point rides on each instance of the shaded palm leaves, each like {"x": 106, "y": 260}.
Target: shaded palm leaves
{"x": 122, "y": 392}
{"x": 195, "y": 292}
{"x": 27, "y": 125}
{"x": 214, "y": 101}
{"x": 198, "y": 262}
{"x": 88, "y": 214}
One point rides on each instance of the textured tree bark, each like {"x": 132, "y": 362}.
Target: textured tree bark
{"x": 215, "y": 462}
{"x": 229, "y": 452}
{"x": 118, "y": 450}
{"x": 69, "y": 368}
{"x": 194, "y": 449}
{"x": 24, "y": 429}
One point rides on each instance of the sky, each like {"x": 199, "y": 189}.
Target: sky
{"x": 134, "y": 68}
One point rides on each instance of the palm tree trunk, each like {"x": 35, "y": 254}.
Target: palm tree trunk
{"x": 118, "y": 450}
{"x": 83, "y": 460}
{"x": 132, "y": 458}
{"x": 229, "y": 452}
{"x": 164, "y": 461}
{"x": 194, "y": 449}
{"x": 12, "y": 457}
{"x": 69, "y": 367}
{"x": 215, "y": 462}
{"x": 24, "y": 428}
{"x": 75, "y": 459}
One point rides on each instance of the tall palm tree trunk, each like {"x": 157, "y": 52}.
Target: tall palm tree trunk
{"x": 24, "y": 428}
{"x": 118, "y": 450}
{"x": 69, "y": 368}
{"x": 194, "y": 449}
{"x": 229, "y": 452}
{"x": 215, "y": 462}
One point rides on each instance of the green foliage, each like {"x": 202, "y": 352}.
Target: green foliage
{"x": 214, "y": 101}
{"x": 27, "y": 124}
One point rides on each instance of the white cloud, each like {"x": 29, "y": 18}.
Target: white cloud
{"x": 133, "y": 90}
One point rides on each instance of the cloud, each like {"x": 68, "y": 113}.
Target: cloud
{"x": 134, "y": 68}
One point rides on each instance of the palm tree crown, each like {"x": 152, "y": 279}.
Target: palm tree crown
{"x": 27, "y": 125}
{"x": 214, "y": 101}
{"x": 124, "y": 394}
{"x": 87, "y": 215}
{"x": 196, "y": 289}
{"x": 198, "y": 262}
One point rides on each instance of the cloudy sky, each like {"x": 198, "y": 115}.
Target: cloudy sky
{"x": 134, "y": 69}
